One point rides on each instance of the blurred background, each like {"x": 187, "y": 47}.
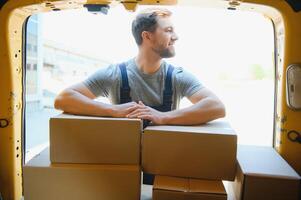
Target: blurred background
{"x": 231, "y": 52}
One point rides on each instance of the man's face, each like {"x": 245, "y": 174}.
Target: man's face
{"x": 164, "y": 37}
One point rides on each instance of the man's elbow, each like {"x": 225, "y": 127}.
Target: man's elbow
{"x": 221, "y": 110}
{"x": 60, "y": 100}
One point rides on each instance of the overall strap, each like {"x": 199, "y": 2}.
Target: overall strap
{"x": 125, "y": 88}
{"x": 148, "y": 179}
{"x": 167, "y": 93}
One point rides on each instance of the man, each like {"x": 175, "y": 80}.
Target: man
{"x": 146, "y": 86}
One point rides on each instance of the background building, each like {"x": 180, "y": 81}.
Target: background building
{"x": 34, "y": 64}
{"x": 50, "y": 67}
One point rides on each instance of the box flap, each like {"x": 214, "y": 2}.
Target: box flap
{"x": 82, "y": 117}
{"x": 264, "y": 161}
{"x": 189, "y": 185}
{"x": 214, "y": 127}
{"x": 171, "y": 183}
{"x": 206, "y": 186}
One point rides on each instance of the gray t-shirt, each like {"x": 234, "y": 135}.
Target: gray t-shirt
{"x": 147, "y": 88}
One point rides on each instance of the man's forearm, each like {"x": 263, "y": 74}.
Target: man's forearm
{"x": 76, "y": 103}
{"x": 204, "y": 111}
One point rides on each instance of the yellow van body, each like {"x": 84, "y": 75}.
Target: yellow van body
{"x": 285, "y": 15}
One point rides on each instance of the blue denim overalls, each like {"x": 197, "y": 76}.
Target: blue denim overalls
{"x": 165, "y": 107}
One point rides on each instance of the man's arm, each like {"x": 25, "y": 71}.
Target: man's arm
{"x": 206, "y": 107}
{"x": 78, "y": 99}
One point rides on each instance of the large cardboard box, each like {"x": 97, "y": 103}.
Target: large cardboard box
{"x": 263, "y": 174}
{"x": 46, "y": 181}
{"x": 206, "y": 152}
{"x": 95, "y": 140}
{"x": 171, "y": 188}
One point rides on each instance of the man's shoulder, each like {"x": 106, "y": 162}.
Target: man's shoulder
{"x": 177, "y": 69}
{"x": 180, "y": 74}
{"x": 110, "y": 71}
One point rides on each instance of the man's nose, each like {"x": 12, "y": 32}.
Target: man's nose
{"x": 174, "y": 37}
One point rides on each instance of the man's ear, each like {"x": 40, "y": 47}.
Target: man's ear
{"x": 146, "y": 36}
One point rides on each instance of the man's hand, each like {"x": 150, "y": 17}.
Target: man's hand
{"x": 122, "y": 110}
{"x": 146, "y": 112}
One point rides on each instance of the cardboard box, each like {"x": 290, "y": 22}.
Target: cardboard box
{"x": 46, "y": 181}
{"x": 206, "y": 152}
{"x": 171, "y": 188}
{"x": 95, "y": 140}
{"x": 263, "y": 174}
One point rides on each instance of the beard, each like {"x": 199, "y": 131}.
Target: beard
{"x": 165, "y": 52}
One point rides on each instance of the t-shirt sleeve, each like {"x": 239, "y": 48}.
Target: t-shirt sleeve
{"x": 187, "y": 83}
{"x": 101, "y": 82}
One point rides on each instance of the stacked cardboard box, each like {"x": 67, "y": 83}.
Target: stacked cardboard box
{"x": 46, "y": 181}
{"x": 263, "y": 174}
{"x": 91, "y": 158}
{"x": 206, "y": 152}
{"x": 99, "y": 158}
{"x": 83, "y": 139}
